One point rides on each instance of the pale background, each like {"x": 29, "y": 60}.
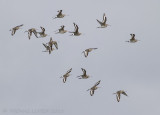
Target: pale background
{"x": 30, "y": 80}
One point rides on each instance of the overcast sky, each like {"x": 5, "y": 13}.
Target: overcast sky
{"x": 30, "y": 82}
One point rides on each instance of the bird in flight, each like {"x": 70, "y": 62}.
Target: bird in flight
{"x": 61, "y": 30}
{"x": 48, "y": 48}
{"x": 76, "y": 32}
{"x": 92, "y": 89}
{"x": 84, "y": 75}
{"x": 51, "y": 43}
{"x": 103, "y": 22}
{"x": 15, "y": 29}
{"x": 67, "y": 74}
{"x": 30, "y": 31}
{"x": 59, "y": 15}
{"x": 42, "y": 33}
{"x": 86, "y": 52}
{"x": 118, "y": 94}
{"x": 132, "y": 40}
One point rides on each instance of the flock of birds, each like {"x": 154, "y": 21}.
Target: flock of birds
{"x": 49, "y": 48}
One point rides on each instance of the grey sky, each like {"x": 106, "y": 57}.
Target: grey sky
{"x": 30, "y": 79}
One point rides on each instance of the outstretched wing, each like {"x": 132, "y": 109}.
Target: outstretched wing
{"x": 13, "y": 31}
{"x": 76, "y": 29}
{"x": 60, "y": 13}
{"x": 85, "y": 53}
{"x": 118, "y": 97}
{"x": 55, "y": 44}
{"x": 35, "y": 33}
{"x": 45, "y": 45}
{"x": 99, "y": 22}
{"x": 84, "y": 71}
{"x": 91, "y": 92}
{"x": 104, "y": 18}
{"x": 19, "y": 25}
{"x": 43, "y": 29}
{"x": 69, "y": 70}
{"x": 29, "y": 34}
{"x": 64, "y": 79}
{"x": 62, "y": 27}
{"x": 97, "y": 83}
{"x": 124, "y": 93}
{"x": 93, "y": 48}
{"x": 132, "y": 36}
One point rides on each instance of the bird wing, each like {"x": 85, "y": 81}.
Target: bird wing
{"x": 19, "y": 25}
{"x": 45, "y": 45}
{"x": 99, "y": 22}
{"x": 76, "y": 29}
{"x": 60, "y": 13}
{"x": 69, "y": 70}
{"x": 29, "y": 34}
{"x": 84, "y": 71}
{"x": 55, "y": 44}
{"x": 91, "y": 92}
{"x": 97, "y": 83}
{"x": 64, "y": 79}
{"x": 35, "y": 33}
{"x": 93, "y": 48}
{"x": 132, "y": 36}
{"x": 85, "y": 53}
{"x": 13, "y": 31}
{"x": 62, "y": 27}
{"x": 124, "y": 93}
{"x": 117, "y": 97}
{"x": 104, "y": 18}
{"x": 74, "y": 24}
{"x": 43, "y": 29}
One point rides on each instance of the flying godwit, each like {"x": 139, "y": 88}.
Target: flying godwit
{"x": 61, "y": 30}
{"x": 30, "y": 31}
{"x": 15, "y": 29}
{"x": 132, "y": 40}
{"x": 67, "y": 74}
{"x": 86, "y": 52}
{"x": 84, "y": 76}
{"x": 118, "y": 94}
{"x": 51, "y": 43}
{"x": 59, "y": 15}
{"x": 42, "y": 33}
{"x": 76, "y": 32}
{"x": 92, "y": 89}
{"x": 48, "y": 48}
{"x": 103, "y": 23}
